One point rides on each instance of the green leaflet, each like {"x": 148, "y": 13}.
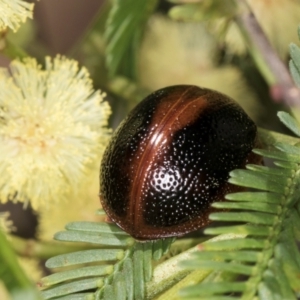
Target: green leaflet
{"x": 253, "y": 230}
{"x": 257, "y": 180}
{"x": 73, "y": 274}
{"x": 295, "y": 64}
{"x": 261, "y": 197}
{"x": 73, "y": 287}
{"x": 215, "y": 287}
{"x": 267, "y": 258}
{"x": 101, "y": 228}
{"x": 247, "y": 256}
{"x": 86, "y": 256}
{"x": 95, "y": 238}
{"x": 284, "y": 157}
{"x": 289, "y": 122}
{"x": 255, "y": 206}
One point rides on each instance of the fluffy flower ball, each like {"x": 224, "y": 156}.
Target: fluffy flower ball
{"x": 14, "y": 12}
{"x": 52, "y": 129}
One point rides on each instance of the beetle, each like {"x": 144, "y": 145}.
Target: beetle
{"x": 170, "y": 159}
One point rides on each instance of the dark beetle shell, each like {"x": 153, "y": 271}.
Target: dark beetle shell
{"x": 171, "y": 158}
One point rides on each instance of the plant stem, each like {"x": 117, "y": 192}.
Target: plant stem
{"x": 267, "y": 60}
{"x": 193, "y": 278}
{"x": 170, "y": 272}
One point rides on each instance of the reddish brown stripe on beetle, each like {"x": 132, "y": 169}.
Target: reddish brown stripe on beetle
{"x": 176, "y": 117}
{"x": 147, "y": 155}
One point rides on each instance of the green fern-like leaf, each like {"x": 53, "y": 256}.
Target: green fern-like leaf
{"x": 264, "y": 263}
{"x": 254, "y": 243}
{"x": 118, "y": 269}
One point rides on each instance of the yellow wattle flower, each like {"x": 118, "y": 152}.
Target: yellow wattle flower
{"x": 13, "y": 13}
{"x": 52, "y": 129}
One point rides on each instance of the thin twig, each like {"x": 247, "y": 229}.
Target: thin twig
{"x": 284, "y": 87}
